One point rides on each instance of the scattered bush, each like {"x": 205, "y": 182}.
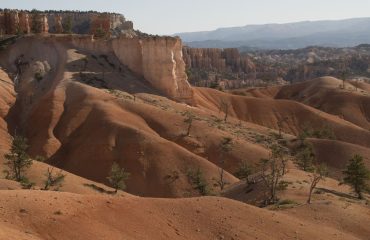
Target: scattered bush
{"x": 324, "y": 132}
{"x": 53, "y": 180}
{"x": 286, "y": 202}
{"x": 198, "y": 181}
{"x": 117, "y": 177}
{"x": 244, "y": 171}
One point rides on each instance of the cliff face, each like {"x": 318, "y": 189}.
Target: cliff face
{"x": 24, "y": 23}
{"x": 164, "y": 66}
{"x": 102, "y": 24}
{"x": 157, "y": 59}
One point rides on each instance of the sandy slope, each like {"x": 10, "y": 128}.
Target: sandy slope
{"x": 48, "y": 215}
{"x": 84, "y": 129}
{"x": 267, "y": 112}
{"x": 72, "y": 118}
{"x": 337, "y": 154}
{"x": 326, "y": 95}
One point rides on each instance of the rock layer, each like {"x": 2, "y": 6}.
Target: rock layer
{"x": 24, "y": 22}
{"x": 157, "y": 59}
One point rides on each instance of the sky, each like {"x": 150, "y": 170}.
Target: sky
{"x": 173, "y": 16}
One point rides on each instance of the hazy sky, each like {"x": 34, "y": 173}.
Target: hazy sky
{"x": 170, "y": 16}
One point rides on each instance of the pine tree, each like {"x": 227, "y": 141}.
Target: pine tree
{"x": 306, "y": 157}
{"x": 357, "y": 175}
{"x": 117, "y": 177}
{"x": 17, "y": 160}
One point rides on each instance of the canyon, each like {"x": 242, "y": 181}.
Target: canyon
{"x": 245, "y": 67}
{"x": 90, "y": 95}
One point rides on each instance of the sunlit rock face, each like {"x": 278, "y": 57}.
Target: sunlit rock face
{"x": 158, "y": 59}
{"x": 25, "y": 22}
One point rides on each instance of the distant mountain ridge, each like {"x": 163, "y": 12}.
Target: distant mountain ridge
{"x": 331, "y": 33}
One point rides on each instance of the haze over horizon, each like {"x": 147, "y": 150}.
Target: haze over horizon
{"x": 173, "y": 16}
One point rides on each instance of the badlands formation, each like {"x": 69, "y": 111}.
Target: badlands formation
{"x": 86, "y": 101}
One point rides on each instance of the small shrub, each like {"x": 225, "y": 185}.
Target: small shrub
{"x": 286, "y": 202}
{"x": 117, "y": 177}
{"x": 53, "y": 180}
{"x": 244, "y": 171}
{"x": 198, "y": 181}
{"x": 318, "y": 191}
{"x": 26, "y": 184}
{"x": 282, "y": 185}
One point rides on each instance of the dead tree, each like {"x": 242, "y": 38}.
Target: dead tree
{"x": 272, "y": 170}
{"x": 280, "y": 125}
{"x": 225, "y": 107}
{"x": 189, "y": 117}
{"x": 319, "y": 174}
{"x": 226, "y": 146}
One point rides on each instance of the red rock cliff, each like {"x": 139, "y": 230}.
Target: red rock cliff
{"x": 14, "y": 22}
{"x": 158, "y": 59}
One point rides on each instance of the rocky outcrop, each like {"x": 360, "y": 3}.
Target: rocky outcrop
{"x": 225, "y": 68}
{"x": 39, "y": 23}
{"x": 10, "y": 22}
{"x": 163, "y": 65}
{"x": 23, "y": 22}
{"x": 218, "y": 60}
{"x": 101, "y": 25}
{"x": 205, "y": 58}
{"x": 58, "y": 24}
{"x": 157, "y": 59}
